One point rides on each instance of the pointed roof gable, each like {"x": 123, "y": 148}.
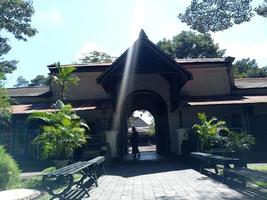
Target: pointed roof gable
{"x": 147, "y": 58}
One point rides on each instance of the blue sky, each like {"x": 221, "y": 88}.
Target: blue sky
{"x": 68, "y": 29}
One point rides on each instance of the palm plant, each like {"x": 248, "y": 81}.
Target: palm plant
{"x": 239, "y": 142}
{"x": 63, "y": 131}
{"x": 65, "y": 78}
{"x": 208, "y": 131}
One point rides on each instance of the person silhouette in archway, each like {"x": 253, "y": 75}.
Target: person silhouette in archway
{"x": 134, "y": 143}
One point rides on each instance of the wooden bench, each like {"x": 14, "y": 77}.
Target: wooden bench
{"x": 243, "y": 174}
{"x": 211, "y": 161}
{"x": 88, "y": 174}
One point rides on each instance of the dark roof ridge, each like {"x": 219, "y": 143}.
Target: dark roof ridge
{"x": 143, "y": 38}
{"x": 227, "y": 59}
{"x": 28, "y": 87}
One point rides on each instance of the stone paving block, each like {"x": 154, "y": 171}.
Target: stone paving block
{"x": 160, "y": 181}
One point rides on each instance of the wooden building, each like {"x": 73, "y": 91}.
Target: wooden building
{"x": 173, "y": 91}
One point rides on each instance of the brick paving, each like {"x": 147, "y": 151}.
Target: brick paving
{"x": 162, "y": 180}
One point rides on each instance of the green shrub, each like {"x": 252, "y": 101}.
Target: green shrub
{"x": 214, "y": 133}
{"x": 239, "y": 142}
{"x": 49, "y": 170}
{"x": 34, "y": 182}
{"x": 208, "y": 131}
{"x": 9, "y": 171}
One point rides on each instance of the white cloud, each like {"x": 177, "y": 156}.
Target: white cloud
{"x": 88, "y": 47}
{"x": 241, "y": 49}
{"x": 257, "y": 50}
{"x": 52, "y": 16}
{"x": 172, "y": 29}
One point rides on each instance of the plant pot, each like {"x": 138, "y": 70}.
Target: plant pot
{"x": 60, "y": 163}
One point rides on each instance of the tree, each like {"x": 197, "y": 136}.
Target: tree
{"x": 4, "y": 104}
{"x": 4, "y": 107}
{"x": 96, "y": 57}
{"x": 262, "y": 9}
{"x": 65, "y": 78}
{"x": 21, "y": 82}
{"x": 214, "y": 15}
{"x": 15, "y": 18}
{"x": 39, "y": 80}
{"x": 246, "y": 68}
{"x": 189, "y": 44}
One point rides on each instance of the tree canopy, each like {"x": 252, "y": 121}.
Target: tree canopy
{"x": 39, "y": 80}
{"x": 15, "y": 18}
{"x": 21, "y": 82}
{"x": 247, "y": 68}
{"x": 96, "y": 57}
{"x": 214, "y": 15}
{"x": 189, "y": 44}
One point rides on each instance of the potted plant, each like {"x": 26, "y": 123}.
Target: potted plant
{"x": 237, "y": 144}
{"x": 63, "y": 131}
{"x": 208, "y": 131}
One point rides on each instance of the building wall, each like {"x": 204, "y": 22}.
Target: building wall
{"x": 87, "y": 88}
{"x": 151, "y": 82}
{"x": 207, "y": 81}
{"x": 217, "y": 82}
{"x": 257, "y": 115}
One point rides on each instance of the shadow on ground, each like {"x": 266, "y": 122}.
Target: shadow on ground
{"x": 137, "y": 167}
{"x": 173, "y": 179}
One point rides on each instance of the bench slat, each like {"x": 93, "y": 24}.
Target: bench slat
{"x": 88, "y": 170}
{"x": 98, "y": 160}
{"x": 249, "y": 174}
{"x": 214, "y": 158}
{"x": 69, "y": 170}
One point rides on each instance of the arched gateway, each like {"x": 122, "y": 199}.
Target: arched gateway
{"x": 144, "y": 77}
{"x": 155, "y": 104}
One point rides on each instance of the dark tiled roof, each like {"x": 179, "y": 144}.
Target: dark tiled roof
{"x": 102, "y": 66}
{"x": 223, "y": 100}
{"x": 138, "y": 122}
{"x": 86, "y": 65}
{"x": 150, "y": 59}
{"x": 204, "y": 60}
{"x": 48, "y": 107}
{"x": 246, "y": 83}
{"x": 29, "y": 91}
{"x": 89, "y": 67}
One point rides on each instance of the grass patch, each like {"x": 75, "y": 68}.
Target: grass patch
{"x": 261, "y": 184}
{"x": 35, "y": 182}
{"x": 261, "y": 168}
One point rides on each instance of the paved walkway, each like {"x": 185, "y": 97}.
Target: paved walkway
{"x": 162, "y": 180}
{"x": 19, "y": 194}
